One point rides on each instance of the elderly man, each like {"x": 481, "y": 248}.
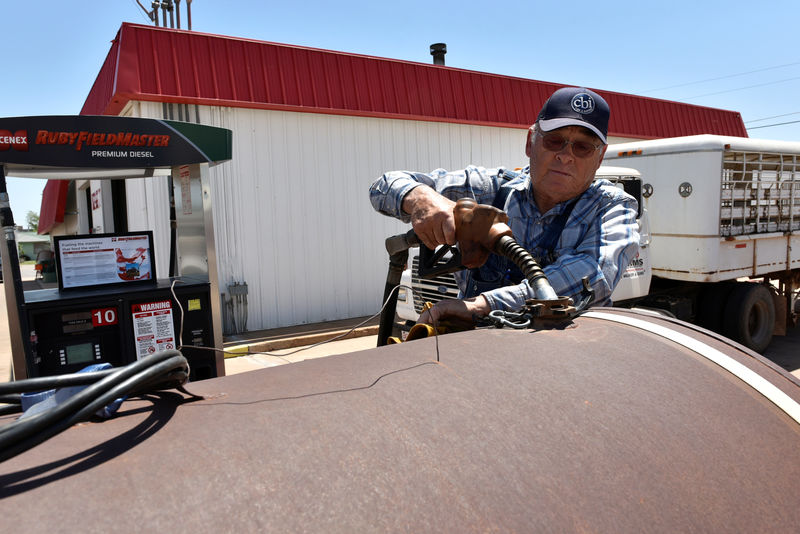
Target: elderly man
{"x": 575, "y": 226}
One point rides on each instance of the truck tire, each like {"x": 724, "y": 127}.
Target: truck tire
{"x": 749, "y": 315}
{"x": 711, "y": 305}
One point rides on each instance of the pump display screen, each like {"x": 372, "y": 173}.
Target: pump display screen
{"x": 88, "y": 261}
{"x": 83, "y": 353}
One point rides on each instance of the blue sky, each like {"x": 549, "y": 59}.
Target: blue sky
{"x": 734, "y": 55}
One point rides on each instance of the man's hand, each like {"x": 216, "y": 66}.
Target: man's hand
{"x": 466, "y": 310}
{"x": 431, "y": 216}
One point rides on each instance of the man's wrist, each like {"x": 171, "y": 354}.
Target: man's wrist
{"x": 479, "y": 306}
{"x": 490, "y": 304}
{"x": 410, "y": 197}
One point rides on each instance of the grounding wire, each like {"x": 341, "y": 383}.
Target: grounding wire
{"x": 436, "y": 338}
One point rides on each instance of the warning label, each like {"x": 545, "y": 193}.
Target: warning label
{"x": 153, "y": 328}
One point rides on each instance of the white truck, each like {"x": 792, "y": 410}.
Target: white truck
{"x": 720, "y": 234}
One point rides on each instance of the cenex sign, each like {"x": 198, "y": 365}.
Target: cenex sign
{"x": 109, "y": 142}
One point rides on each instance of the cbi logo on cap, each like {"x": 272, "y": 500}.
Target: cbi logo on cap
{"x": 583, "y": 103}
{"x": 18, "y": 140}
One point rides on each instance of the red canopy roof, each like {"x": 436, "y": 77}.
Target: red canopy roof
{"x": 165, "y": 65}
{"x": 54, "y": 199}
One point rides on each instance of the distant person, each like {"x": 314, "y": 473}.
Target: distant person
{"x": 574, "y": 226}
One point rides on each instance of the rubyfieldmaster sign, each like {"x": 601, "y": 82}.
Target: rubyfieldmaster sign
{"x": 110, "y": 142}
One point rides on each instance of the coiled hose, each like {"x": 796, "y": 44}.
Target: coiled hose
{"x": 162, "y": 370}
{"x": 507, "y": 246}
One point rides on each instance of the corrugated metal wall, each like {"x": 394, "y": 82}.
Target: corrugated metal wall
{"x": 291, "y": 210}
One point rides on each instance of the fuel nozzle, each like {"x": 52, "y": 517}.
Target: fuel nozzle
{"x": 481, "y": 230}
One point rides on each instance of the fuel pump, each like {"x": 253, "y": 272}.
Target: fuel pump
{"x": 110, "y": 306}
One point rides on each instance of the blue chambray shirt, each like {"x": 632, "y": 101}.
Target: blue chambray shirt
{"x": 599, "y": 239}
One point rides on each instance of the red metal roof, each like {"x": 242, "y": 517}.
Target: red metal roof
{"x": 54, "y": 200}
{"x": 149, "y": 63}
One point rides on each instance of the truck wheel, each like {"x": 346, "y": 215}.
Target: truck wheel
{"x": 711, "y": 305}
{"x": 749, "y": 315}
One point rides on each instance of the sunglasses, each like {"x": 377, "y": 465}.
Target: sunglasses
{"x": 556, "y": 143}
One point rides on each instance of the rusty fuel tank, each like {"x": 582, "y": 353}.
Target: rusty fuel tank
{"x": 623, "y": 422}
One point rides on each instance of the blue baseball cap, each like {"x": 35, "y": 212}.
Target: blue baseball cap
{"x": 575, "y": 106}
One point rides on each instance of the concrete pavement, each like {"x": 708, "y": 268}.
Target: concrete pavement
{"x": 252, "y": 362}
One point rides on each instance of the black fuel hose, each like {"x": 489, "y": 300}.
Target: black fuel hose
{"x": 163, "y": 370}
{"x": 507, "y": 246}
{"x": 41, "y": 383}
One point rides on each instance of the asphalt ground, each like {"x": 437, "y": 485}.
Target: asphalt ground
{"x": 268, "y": 348}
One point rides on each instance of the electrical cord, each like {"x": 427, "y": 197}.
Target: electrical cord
{"x": 178, "y": 302}
{"x": 163, "y": 370}
{"x": 307, "y": 347}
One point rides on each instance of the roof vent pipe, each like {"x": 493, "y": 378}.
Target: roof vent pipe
{"x": 154, "y": 13}
{"x": 170, "y": 9}
{"x": 164, "y": 13}
{"x": 438, "y": 50}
